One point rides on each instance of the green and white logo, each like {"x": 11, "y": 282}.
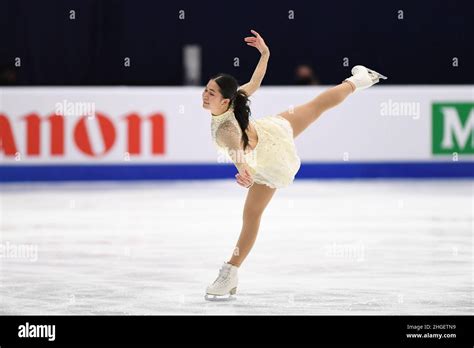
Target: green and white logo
{"x": 453, "y": 128}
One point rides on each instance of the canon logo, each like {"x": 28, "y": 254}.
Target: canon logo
{"x": 102, "y": 126}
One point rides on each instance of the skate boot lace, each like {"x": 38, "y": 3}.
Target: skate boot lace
{"x": 223, "y": 276}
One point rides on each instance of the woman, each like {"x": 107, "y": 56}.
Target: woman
{"x": 263, "y": 150}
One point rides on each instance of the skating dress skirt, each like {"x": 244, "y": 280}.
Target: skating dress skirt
{"x": 274, "y": 160}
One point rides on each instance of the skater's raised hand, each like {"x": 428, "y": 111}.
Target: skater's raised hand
{"x": 244, "y": 179}
{"x": 257, "y": 42}
{"x": 259, "y": 73}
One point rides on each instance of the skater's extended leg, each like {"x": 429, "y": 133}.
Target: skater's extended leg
{"x": 258, "y": 198}
{"x": 303, "y": 115}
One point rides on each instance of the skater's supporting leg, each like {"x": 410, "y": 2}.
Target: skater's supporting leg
{"x": 258, "y": 198}
{"x": 303, "y": 115}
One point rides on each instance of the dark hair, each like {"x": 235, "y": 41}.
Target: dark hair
{"x": 239, "y": 101}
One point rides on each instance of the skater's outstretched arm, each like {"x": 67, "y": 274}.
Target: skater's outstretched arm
{"x": 259, "y": 73}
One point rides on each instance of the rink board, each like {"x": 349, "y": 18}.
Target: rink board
{"x": 203, "y": 172}
{"x": 121, "y": 133}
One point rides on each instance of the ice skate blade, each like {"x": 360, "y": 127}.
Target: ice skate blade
{"x": 218, "y": 298}
{"x": 222, "y": 298}
{"x": 379, "y": 75}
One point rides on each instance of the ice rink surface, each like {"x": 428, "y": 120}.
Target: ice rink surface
{"x": 324, "y": 247}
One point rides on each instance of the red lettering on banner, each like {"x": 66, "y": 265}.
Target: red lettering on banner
{"x": 158, "y": 133}
{"x": 32, "y": 134}
{"x": 133, "y": 134}
{"x": 82, "y": 138}
{"x": 57, "y": 134}
{"x": 7, "y": 142}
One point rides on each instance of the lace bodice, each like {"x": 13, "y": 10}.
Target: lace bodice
{"x": 227, "y": 136}
{"x": 273, "y": 161}
{"x": 226, "y": 132}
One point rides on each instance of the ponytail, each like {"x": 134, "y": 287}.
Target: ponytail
{"x": 242, "y": 113}
{"x": 229, "y": 88}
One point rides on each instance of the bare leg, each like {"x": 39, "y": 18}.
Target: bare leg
{"x": 258, "y": 198}
{"x": 303, "y": 115}
{"x": 260, "y": 195}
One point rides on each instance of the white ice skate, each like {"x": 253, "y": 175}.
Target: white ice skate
{"x": 225, "y": 284}
{"x": 363, "y": 77}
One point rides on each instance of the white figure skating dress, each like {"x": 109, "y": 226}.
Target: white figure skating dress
{"x": 274, "y": 160}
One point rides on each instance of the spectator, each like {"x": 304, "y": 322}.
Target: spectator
{"x": 304, "y": 75}
{"x": 7, "y": 75}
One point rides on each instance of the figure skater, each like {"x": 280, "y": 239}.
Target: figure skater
{"x": 262, "y": 150}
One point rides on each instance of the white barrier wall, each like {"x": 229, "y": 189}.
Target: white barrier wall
{"x": 169, "y": 125}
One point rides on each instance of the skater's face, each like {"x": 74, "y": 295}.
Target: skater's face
{"x": 213, "y": 100}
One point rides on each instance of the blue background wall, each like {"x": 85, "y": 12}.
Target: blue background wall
{"x": 90, "y": 49}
